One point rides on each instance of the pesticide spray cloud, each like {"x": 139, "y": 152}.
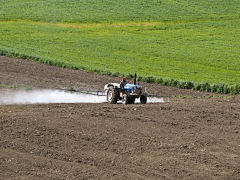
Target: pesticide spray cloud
{"x": 46, "y": 96}
{"x": 9, "y": 96}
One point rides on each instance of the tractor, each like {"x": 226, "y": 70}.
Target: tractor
{"x": 127, "y": 94}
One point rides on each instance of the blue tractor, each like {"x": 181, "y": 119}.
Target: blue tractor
{"x": 127, "y": 94}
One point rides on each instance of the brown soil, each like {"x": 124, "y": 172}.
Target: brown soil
{"x": 187, "y": 138}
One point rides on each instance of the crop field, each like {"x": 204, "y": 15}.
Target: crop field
{"x": 187, "y": 41}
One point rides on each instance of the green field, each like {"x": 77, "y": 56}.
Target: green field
{"x": 182, "y": 40}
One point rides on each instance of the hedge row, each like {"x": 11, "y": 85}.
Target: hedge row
{"x": 218, "y": 88}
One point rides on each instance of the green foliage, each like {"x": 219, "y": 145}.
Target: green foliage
{"x": 115, "y": 10}
{"x": 106, "y": 73}
{"x": 221, "y": 88}
{"x": 129, "y": 76}
{"x": 186, "y": 85}
{"x": 208, "y": 87}
{"x": 8, "y": 86}
{"x": 71, "y": 89}
{"x": 116, "y": 74}
{"x": 148, "y": 79}
{"x": 3, "y": 85}
{"x": 159, "y": 81}
{"x": 166, "y": 82}
{"x": 203, "y": 87}
{"x": 235, "y": 89}
{"x": 174, "y": 82}
{"x": 214, "y": 88}
{"x": 172, "y": 43}
{"x": 139, "y": 78}
{"x": 197, "y": 87}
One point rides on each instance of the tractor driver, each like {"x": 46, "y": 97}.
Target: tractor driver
{"x": 123, "y": 82}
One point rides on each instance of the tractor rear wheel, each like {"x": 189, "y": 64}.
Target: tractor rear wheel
{"x": 112, "y": 95}
{"x": 143, "y": 99}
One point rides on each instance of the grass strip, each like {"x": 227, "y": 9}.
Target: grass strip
{"x": 216, "y": 88}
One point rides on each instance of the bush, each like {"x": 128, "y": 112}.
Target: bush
{"x": 129, "y": 76}
{"x": 205, "y": 87}
{"x": 95, "y": 70}
{"x": 186, "y": 85}
{"x": 159, "y": 81}
{"x": 116, "y": 74}
{"x": 174, "y": 82}
{"x": 166, "y": 82}
{"x": 214, "y": 88}
{"x": 220, "y": 88}
{"x": 197, "y": 87}
{"x": 226, "y": 89}
{"x": 140, "y": 78}
{"x": 106, "y": 73}
{"x": 208, "y": 87}
{"x": 148, "y": 79}
{"x": 223, "y": 88}
{"x": 2, "y": 53}
{"x": 235, "y": 89}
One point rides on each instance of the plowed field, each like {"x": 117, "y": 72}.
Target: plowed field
{"x": 191, "y": 137}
